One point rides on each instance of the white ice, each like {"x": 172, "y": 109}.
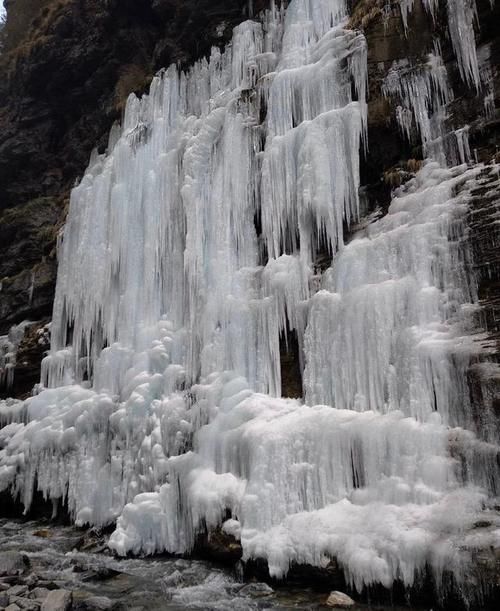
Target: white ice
{"x": 190, "y": 248}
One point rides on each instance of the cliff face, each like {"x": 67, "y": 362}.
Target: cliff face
{"x": 67, "y": 69}
{"x": 390, "y": 155}
{"x": 68, "y": 66}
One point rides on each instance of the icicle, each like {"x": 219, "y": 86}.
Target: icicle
{"x": 406, "y": 6}
{"x": 462, "y": 14}
{"x": 423, "y": 93}
{"x": 9, "y": 345}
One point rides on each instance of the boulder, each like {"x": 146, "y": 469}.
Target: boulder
{"x": 39, "y": 593}
{"x": 44, "y": 533}
{"x": 96, "y": 603}
{"x": 339, "y": 600}
{"x": 17, "y": 590}
{"x": 4, "y": 600}
{"x": 13, "y": 563}
{"x": 256, "y": 590}
{"x": 25, "y": 603}
{"x": 58, "y": 600}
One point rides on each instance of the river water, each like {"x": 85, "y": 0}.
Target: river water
{"x": 77, "y": 560}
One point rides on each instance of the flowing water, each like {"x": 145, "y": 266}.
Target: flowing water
{"x": 163, "y": 584}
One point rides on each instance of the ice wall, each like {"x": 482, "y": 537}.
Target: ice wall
{"x": 190, "y": 248}
{"x": 372, "y": 481}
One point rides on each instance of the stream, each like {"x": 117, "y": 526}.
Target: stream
{"x": 77, "y": 560}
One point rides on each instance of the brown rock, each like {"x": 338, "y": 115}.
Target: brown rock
{"x": 339, "y": 600}
{"x": 44, "y": 533}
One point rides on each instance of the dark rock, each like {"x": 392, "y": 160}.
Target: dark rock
{"x": 219, "y": 547}
{"x": 25, "y": 603}
{"x": 256, "y": 590}
{"x": 44, "y": 533}
{"x": 10, "y": 580}
{"x": 47, "y": 585}
{"x": 291, "y": 376}
{"x": 301, "y": 575}
{"x": 13, "y": 563}
{"x": 96, "y": 603}
{"x": 31, "y": 580}
{"x": 98, "y": 574}
{"x": 12, "y": 506}
{"x": 94, "y": 540}
{"x": 4, "y": 599}
{"x": 18, "y": 590}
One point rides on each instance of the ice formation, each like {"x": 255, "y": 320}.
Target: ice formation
{"x": 462, "y": 16}
{"x": 422, "y": 93}
{"x": 189, "y": 250}
{"x": 8, "y": 352}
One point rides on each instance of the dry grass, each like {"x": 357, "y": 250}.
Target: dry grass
{"x": 393, "y": 177}
{"x": 398, "y": 175}
{"x": 28, "y": 27}
{"x": 134, "y": 78}
{"x": 414, "y": 165}
{"x": 365, "y": 12}
{"x": 21, "y": 20}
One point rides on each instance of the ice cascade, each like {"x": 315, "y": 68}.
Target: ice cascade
{"x": 191, "y": 249}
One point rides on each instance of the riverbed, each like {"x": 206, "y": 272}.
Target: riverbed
{"x": 73, "y": 559}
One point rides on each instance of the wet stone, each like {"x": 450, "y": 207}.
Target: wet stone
{"x": 256, "y": 590}
{"x": 13, "y": 563}
{"x": 173, "y": 580}
{"x": 39, "y": 593}
{"x": 99, "y": 574}
{"x": 25, "y": 603}
{"x": 31, "y": 580}
{"x": 58, "y": 600}
{"x": 44, "y": 533}
{"x": 17, "y": 590}
{"x": 48, "y": 585}
{"x": 4, "y": 599}
{"x": 96, "y": 603}
{"x": 339, "y": 600}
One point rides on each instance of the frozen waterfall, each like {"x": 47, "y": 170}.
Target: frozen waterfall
{"x": 191, "y": 247}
